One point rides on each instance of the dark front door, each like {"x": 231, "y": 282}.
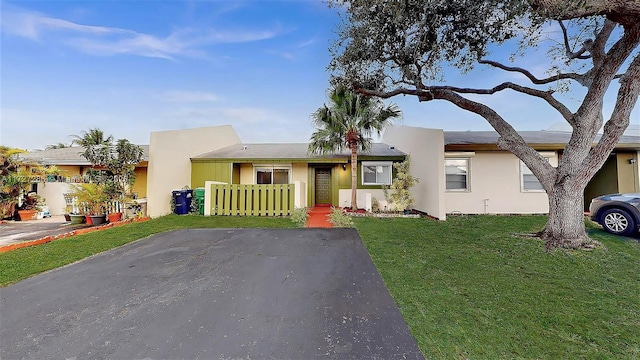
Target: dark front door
{"x": 323, "y": 186}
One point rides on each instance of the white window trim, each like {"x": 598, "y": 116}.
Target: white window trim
{"x": 546, "y": 155}
{"x": 376, "y": 163}
{"x": 271, "y": 167}
{"x": 467, "y": 157}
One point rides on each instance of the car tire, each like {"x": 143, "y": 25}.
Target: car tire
{"x": 618, "y": 221}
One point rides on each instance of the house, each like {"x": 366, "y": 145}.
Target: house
{"x": 197, "y": 157}
{"x": 73, "y": 168}
{"x": 464, "y": 172}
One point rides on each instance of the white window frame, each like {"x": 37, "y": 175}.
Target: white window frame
{"x": 524, "y": 170}
{"x": 466, "y": 158}
{"x": 376, "y": 164}
{"x": 270, "y": 168}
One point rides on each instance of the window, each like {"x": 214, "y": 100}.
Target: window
{"x": 528, "y": 181}
{"x": 376, "y": 173}
{"x": 272, "y": 175}
{"x": 457, "y": 174}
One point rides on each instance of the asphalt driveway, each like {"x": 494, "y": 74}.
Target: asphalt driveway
{"x": 211, "y": 294}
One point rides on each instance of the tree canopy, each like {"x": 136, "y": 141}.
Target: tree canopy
{"x": 388, "y": 48}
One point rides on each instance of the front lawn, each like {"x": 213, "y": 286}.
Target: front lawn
{"x": 471, "y": 289}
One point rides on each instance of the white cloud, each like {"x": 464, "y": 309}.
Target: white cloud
{"x": 106, "y": 41}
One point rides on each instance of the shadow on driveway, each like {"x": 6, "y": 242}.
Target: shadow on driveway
{"x": 211, "y": 293}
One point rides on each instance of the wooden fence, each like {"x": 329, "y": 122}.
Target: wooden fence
{"x": 258, "y": 200}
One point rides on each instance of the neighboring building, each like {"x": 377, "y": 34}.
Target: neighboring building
{"x": 73, "y": 168}
{"x": 464, "y": 172}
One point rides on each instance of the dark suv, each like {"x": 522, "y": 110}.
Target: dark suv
{"x": 617, "y": 213}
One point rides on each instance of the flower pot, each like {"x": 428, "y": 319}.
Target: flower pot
{"x": 27, "y": 214}
{"x": 76, "y": 219}
{"x": 97, "y": 219}
{"x": 114, "y": 217}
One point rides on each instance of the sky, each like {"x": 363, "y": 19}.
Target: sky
{"x": 133, "y": 67}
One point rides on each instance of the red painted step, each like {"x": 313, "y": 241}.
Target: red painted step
{"x": 319, "y": 217}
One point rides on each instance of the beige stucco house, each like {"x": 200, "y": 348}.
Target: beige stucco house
{"x": 464, "y": 172}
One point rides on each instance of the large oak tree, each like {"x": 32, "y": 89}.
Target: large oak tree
{"x": 391, "y": 47}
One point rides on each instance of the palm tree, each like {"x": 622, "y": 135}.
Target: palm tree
{"x": 348, "y": 123}
{"x": 94, "y": 136}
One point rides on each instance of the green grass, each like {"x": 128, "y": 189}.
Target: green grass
{"x": 470, "y": 289}
{"x": 22, "y": 263}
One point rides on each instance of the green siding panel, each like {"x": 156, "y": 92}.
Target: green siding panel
{"x": 209, "y": 171}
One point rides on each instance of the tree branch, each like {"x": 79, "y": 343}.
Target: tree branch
{"x": 509, "y": 138}
{"x": 611, "y": 63}
{"x": 572, "y": 9}
{"x": 426, "y": 91}
{"x": 600, "y": 41}
{"x": 569, "y": 76}
{"x": 619, "y": 120}
{"x": 567, "y": 48}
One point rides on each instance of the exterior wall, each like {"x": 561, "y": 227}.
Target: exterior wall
{"x": 495, "y": 188}
{"x": 170, "y": 164}
{"x": 605, "y": 181}
{"x": 299, "y": 172}
{"x": 246, "y": 174}
{"x": 69, "y": 170}
{"x": 426, "y": 150}
{"x": 210, "y": 171}
{"x": 344, "y": 197}
{"x": 627, "y": 172}
{"x": 53, "y": 193}
{"x": 140, "y": 186}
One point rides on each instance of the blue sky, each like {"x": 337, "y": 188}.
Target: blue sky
{"x": 133, "y": 67}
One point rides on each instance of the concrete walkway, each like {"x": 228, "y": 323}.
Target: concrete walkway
{"x": 18, "y": 231}
{"x": 211, "y": 294}
{"x": 319, "y": 217}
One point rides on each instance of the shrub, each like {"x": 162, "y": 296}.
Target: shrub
{"x": 299, "y": 216}
{"x": 340, "y": 219}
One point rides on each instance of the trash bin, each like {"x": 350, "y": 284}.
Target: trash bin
{"x": 198, "y": 193}
{"x": 182, "y": 199}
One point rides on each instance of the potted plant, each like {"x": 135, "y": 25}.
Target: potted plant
{"x": 16, "y": 176}
{"x": 92, "y": 200}
{"x": 115, "y": 163}
{"x": 31, "y": 205}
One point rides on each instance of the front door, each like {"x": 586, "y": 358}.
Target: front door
{"x": 323, "y": 186}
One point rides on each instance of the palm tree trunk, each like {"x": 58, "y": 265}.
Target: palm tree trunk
{"x": 354, "y": 176}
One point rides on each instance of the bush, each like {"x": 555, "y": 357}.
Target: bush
{"x": 299, "y": 216}
{"x": 340, "y": 219}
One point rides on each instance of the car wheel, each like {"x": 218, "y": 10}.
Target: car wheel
{"x": 618, "y": 221}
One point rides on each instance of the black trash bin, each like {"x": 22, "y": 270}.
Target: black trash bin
{"x": 182, "y": 199}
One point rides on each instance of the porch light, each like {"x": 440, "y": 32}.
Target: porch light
{"x": 632, "y": 161}
{"x": 344, "y": 167}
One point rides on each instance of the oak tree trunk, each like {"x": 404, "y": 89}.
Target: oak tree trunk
{"x": 565, "y": 226}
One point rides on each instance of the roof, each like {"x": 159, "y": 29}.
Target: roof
{"x": 68, "y": 156}
{"x": 548, "y": 139}
{"x": 292, "y": 151}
